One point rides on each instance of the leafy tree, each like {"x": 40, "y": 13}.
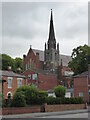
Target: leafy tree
{"x": 80, "y": 59}
{"x": 18, "y": 63}
{"x": 18, "y": 100}
{"x": 6, "y": 60}
{"x": 60, "y": 91}
{"x": 30, "y": 92}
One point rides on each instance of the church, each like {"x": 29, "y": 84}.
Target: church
{"x": 47, "y": 69}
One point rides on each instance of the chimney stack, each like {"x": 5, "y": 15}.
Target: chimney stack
{"x": 9, "y": 68}
{"x": 19, "y": 70}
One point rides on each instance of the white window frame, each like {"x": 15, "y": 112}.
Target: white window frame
{"x": 34, "y": 77}
{"x": 9, "y": 78}
{"x": 81, "y": 94}
{"x": 18, "y": 82}
{"x": 29, "y": 76}
{"x": 9, "y": 93}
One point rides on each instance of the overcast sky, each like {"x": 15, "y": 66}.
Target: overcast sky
{"x": 25, "y": 24}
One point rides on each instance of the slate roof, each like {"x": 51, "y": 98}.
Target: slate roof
{"x": 10, "y": 74}
{"x": 65, "y": 58}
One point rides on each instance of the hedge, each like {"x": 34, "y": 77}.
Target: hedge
{"x": 53, "y": 100}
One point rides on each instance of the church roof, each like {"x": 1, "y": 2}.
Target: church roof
{"x": 51, "y": 29}
{"x": 65, "y": 58}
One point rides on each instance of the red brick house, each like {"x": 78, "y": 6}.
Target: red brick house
{"x": 65, "y": 76}
{"x": 10, "y": 81}
{"x": 82, "y": 85}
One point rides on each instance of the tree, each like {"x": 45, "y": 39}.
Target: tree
{"x": 30, "y": 92}
{"x": 18, "y": 100}
{"x": 80, "y": 59}
{"x": 18, "y": 63}
{"x": 6, "y": 60}
{"x": 60, "y": 91}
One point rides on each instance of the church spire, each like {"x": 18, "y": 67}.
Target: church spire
{"x": 51, "y": 29}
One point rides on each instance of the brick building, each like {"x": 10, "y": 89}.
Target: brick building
{"x": 35, "y": 75}
{"x": 82, "y": 89}
{"x": 10, "y": 81}
{"x": 65, "y": 76}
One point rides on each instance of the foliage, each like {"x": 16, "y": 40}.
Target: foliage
{"x": 80, "y": 59}
{"x": 9, "y": 61}
{"x": 18, "y": 63}
{"x": 2, "y": 100}
{"x": 50, "y": 100}
{"x": 18, "y": 100}
{"x": 60, "y": 91}
{"x": 41, "y": 97}
{"x": 32, "y": 95}
{"x": 53, "y": 100}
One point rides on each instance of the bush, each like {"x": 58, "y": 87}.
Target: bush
{"x": 60, "y": 91}
{"x": 18, "y": 100}
{"x": 30, "y": 93}
{"x": 41, "y": 97}
{"x": 52, "y": 100}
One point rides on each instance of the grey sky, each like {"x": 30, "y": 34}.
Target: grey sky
{"x": 25, "y": 24}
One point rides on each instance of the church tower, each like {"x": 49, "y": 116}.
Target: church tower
{"x": 51, "y": 52}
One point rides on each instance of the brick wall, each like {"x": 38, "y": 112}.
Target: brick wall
{"x": 47, "y": 81}
{"x": 55, "y": 108}
{"x": 21, "y": 110}
{"x": 81, "y": 85}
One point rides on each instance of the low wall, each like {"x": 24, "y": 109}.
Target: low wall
{"x": 21, "y": 110}
{"x": 55, "y": 108}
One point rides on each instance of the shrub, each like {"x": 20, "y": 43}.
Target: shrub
{"x": 41, "y": 97}
{"x": 52, "y": 100}
{"x": 30, "y": 93}
{"x": 60, "y": 91}
{"x": 18, "y": 100}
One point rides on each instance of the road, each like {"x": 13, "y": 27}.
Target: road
{"x": 64, "y": 114}
{"x": 78, "y": 115}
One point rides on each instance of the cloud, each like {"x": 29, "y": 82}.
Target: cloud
{"x": 27, "y": 23}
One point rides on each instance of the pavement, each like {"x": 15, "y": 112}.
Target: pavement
{"x": 45, "y": 114}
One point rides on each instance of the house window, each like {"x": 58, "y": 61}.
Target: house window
{"x": 19, "y": 82}
{"x": 9, "y": 82}
{"x": 34, "y": 76}
{"x": 81, "y": 94}
{"x": 29, "y": 76}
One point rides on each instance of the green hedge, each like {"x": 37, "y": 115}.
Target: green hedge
{"x": 53, "y": 100}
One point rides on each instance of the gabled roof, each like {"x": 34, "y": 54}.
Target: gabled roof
{"x": 10, "y": 74}
{"x": 65, "y": 58}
